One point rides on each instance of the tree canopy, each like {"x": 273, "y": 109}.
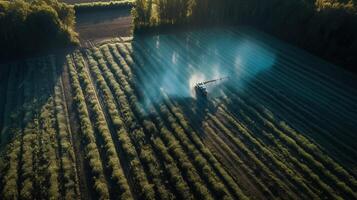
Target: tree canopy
{"x": 159, "y": 12}
{"x": 32, "y": 26}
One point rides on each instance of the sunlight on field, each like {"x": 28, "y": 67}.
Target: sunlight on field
{"x": 118, "y": 119}
{"x": 201, "y": 56}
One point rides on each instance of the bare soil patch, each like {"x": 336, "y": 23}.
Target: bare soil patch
{"x": 83, "y": 1}
{"x": 99, "y": 25}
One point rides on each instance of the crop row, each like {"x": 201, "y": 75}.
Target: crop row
{"x": 150, "y": 130}
{"x": 320, "y": 167}
{"x": 199, "y": 161}
{"x": 69, "y": 177}
{"x": 180, "y": 155}
{"x": 300, "y": 150}
{"x": 123, "y": 62}
{"x": 348, "y": 191}
{"x": 297, "y": 163}
{"x": 257, "y": 160}
{"x": 32, "y": 160}
{"x": 128, "y": 106}
{"x": 127, "y": 146}
{"x": 91, "y": 149}
{"x": 10, "y": 162}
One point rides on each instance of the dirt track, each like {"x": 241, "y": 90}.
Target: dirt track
{"x": 82, "y": 1}
{"x": 100, "y": 25}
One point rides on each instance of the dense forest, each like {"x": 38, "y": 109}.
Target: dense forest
{"x": 327, "y": 28}
{"x": 33, "y": 26}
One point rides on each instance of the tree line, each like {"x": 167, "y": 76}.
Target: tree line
{"x": 100, "y": 6}
{"x": 327, "y": 28}
{"x": 32, "y": 26}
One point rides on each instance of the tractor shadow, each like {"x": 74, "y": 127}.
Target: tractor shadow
{"x": 197, "y": 110}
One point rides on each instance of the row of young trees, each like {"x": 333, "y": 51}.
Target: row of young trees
{"x": 91, "y": 150}
{"x": 170, "y": 166}
{"x": 337, "y": 175}
{"x": 182, "y": 125}
{"x": 122, "y": 74}
{"x": 122, "y": 120}
{"x": 346, "y": 189}
{"x": 314, "y": 168}
{"x": 202, "y": 158}
{"x": 173, "y": 126}
{"x": 140, "y": 138}
{"x": 41, "y": 166}
{"x": 158, "y": 147}
{"x": 303, "y": 141}
{"x": 156, "y": 152}
{"x": 38, "y": 154}
{"x": 295, "y": 172}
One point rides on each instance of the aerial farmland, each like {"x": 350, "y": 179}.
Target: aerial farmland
{"x": 140, "y": 110}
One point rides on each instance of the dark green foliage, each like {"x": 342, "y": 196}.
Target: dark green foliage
{"x": 33, "y": 26}
{"x": 95, "y": 6}
{"x": 159, "y": 12}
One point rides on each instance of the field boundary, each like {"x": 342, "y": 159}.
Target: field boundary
{"x": 99, "y": 6}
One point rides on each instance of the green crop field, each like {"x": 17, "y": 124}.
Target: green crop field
{"x": 118, "y": 120}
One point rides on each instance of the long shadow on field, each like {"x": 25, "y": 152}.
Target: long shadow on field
{"x": 313, "y": 107}
{"x": 27, "y": 87}
{"x": 28, "y": 111}
{"x": 197, "y": 110}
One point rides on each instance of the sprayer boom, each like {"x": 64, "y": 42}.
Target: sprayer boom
{"x": 215, "y": 80}
{"x": 201, "y": 88}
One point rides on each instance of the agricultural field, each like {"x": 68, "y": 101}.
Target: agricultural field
{"x": 99, "y": 25}
{"x": 119, "y": 119}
